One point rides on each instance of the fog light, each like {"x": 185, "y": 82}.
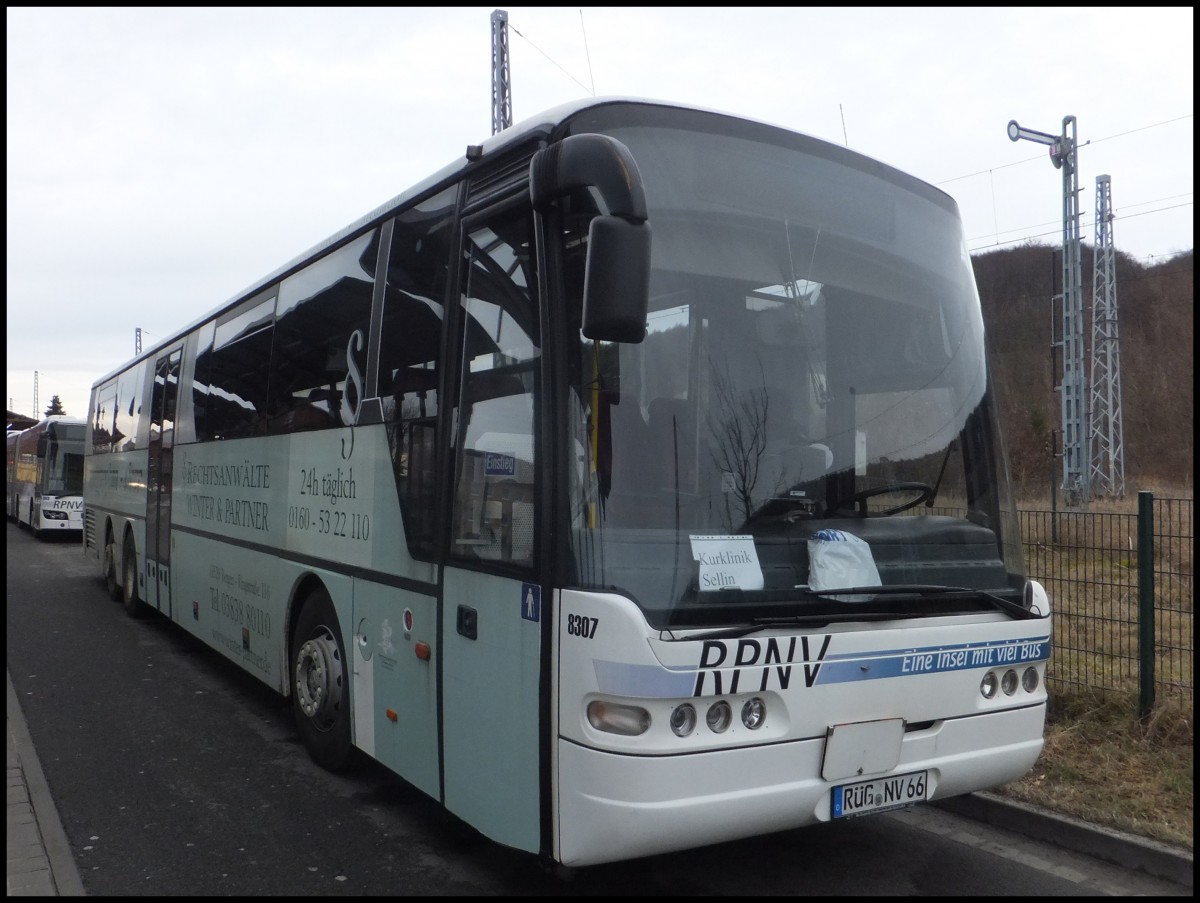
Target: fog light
{"x": 754, "y": 713}
{"x": 989, "y": 685}
{"x": 1029, "y": 680}
{"x": 1009, "y": 682}
{"x": 614, "y": 718}
{"x": 719, "y": 717}
{"x": 683, "y": 719}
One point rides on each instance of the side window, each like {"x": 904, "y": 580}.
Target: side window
{"x": 104, "y": 418}
{"x": 410, "y": 351}
{"x": 493, "y": 516}
{"x": 236, "y": 369}
{"x": 128, "y": 404}
{"x": 201, "y": 384}
{"x": 164, "y": 400}
{"x": 185, "y": 421}
{"x": 320, "y": 346}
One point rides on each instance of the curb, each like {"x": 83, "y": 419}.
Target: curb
{"x": 46, "y": 837}
{"x": 1127, "y": 850}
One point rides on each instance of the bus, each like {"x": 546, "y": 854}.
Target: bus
{"x": 633, "y": 483}
{"x": 10, "y": 474}
{"x": 45, "y": 484}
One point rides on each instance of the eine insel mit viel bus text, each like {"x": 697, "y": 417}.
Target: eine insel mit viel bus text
{"x": 633, "y": 483}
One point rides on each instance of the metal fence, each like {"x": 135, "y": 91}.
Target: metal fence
{"x": 1121, "y": 588}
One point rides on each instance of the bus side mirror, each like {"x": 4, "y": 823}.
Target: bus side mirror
{"x": 616, "y": 283}
{"x": 41, "y": 445}
{"x": 616, "y": 293}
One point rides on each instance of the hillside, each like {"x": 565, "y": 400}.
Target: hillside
{"x": 1155, "y": 313}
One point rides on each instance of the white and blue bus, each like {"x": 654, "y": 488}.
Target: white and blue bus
{"x": 633, "y": 483}
{"x": 45, "y": 476}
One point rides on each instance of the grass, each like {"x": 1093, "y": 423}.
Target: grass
{"x": 1101, "y": 765}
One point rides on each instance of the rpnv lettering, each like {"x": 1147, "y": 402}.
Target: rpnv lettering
{"x": 765, "y": 663}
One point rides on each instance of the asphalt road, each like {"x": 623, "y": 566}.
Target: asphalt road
{"x": 174, "y": 773}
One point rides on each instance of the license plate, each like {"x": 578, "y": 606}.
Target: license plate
{"x": 879, "y": 794}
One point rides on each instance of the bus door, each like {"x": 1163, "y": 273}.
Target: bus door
{"x": 163, "y": 401}
{"x": 491, "y": 610}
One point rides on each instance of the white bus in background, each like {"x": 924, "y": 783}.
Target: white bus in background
{"x": 631, "y": 484}
{"x": 45, "y": 489}
{"x": 10, "y": 472}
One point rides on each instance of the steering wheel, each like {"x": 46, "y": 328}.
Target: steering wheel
{"x": 857, "y": 503}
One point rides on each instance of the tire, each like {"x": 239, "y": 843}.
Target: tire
{"x": 110, "y": 570}
{"x": 320, "y": 675}
{"x": 129, "y": 596}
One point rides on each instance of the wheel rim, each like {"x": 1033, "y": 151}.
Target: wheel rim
{"x": 319, "y": 680}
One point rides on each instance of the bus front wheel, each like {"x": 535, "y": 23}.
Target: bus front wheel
{"x": 320, "y": 684}
{"x": 129, "y": 597}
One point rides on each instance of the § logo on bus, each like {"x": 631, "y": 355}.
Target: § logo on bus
{"x": 408, "y": 620}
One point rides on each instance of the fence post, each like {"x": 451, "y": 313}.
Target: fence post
{"x": 1145, "y": 603}
{"x": 1053, "y": 494}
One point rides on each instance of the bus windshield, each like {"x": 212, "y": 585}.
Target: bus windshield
{"x": 810, "y": 408}
{"x": 64, "y": 460}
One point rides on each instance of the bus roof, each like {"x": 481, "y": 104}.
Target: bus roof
{"x": 46, "y": 422}
{"x": 541, "y": 125}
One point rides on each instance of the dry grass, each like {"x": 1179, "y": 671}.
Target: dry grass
{"x": 1101, "y": 765}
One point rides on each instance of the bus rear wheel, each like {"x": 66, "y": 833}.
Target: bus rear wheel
{"x": 320, "y": 684}
{"x": 129, "y": 597}
{"x": 110, "y": 570}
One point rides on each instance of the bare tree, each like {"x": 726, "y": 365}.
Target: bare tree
{"x": 738, "y": 424}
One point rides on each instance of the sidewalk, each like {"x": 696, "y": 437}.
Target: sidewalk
{"x": 39, "y": 856}
{"x": 40, "y": 862}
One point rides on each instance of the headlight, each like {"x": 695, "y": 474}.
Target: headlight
{"x": 1029, "y": 680}
{"x": 683, "y": 719}
{"x": 989, "y": 685}
{"x": 719, "y": 717}
{"x": 1008, "y": 683}
{"x": 754, "y": 713}
{"x": 614, "y": 718}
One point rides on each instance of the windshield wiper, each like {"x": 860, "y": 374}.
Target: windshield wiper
{"x": 933, "y": 589}
{"x": 825, "y": 617}
{"x": 929, "y": 591}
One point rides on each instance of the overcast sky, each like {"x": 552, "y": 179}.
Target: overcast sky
{"x": 162, "y": 160}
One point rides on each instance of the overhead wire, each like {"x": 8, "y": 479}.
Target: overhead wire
{"x": 1142, "y": 128}
{"x": 552, "y": 60}
{"x": 1058, "y": 231}
{"x": 993, "y": 169}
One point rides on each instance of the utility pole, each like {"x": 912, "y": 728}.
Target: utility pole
{"x": 1073, "y": 387}
{"x": 137, "y": 341}
{"x": 1107, "y": 447}
{"x": 36, "y": 412}
{"x": 501, "y": 86}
